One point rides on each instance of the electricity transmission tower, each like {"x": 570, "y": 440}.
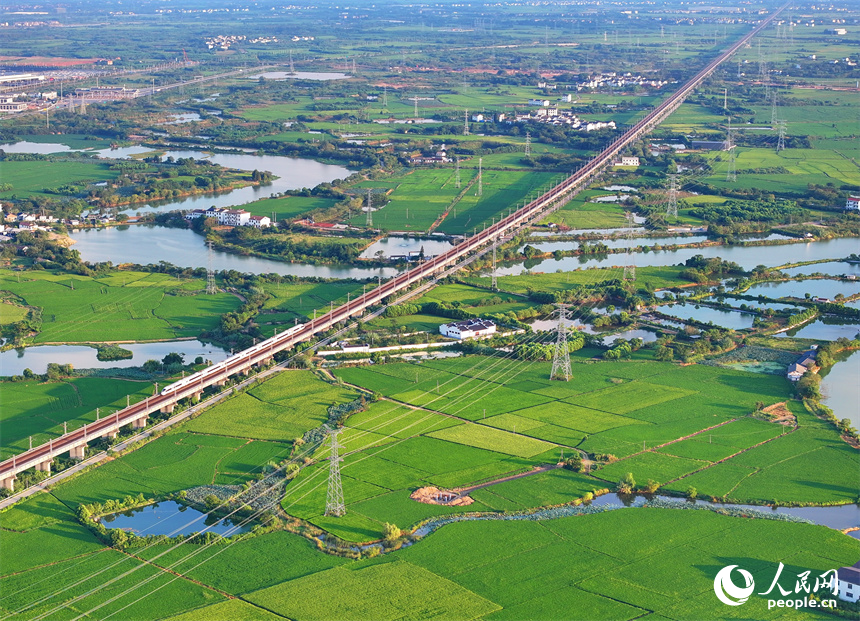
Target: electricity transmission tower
{"x": 672, "y": 208}
{"x": 494, "y": 283}
{"x": 773, "y": 119}
{"x": 528, "y": 144}
{"x": 334, "y": 504}
{"x": 780, "y": 141}
{"x": 457, "y": 178}
{"x": 732, "y": 173}
{"x": 480, "y": 176}
{"x": 630, "y": 267}
{"x": 465, "y": 122}
{"x": 560, "y": 355}
{"x": 210, "y": 273}
{"x": 369, "y": 208}
{"x": 385, "y": 99}
{"x": 415, "y": 99}
{"x": 292, "y": 67}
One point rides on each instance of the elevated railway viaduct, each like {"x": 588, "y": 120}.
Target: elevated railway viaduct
{"x": 137, "y": 414}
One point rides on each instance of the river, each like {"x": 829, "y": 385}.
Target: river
{"x": 747, "y": 257}
{"x": 293, "y": 173}
{"x": 36, "y": 358}
{"x": 185, "y": 248}
{"x": 840, "y": 387}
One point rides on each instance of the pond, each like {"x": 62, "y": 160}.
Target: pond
{"x": 747, "y": 257}
{"x": 832, "y": 268}
{"x": 646, "y": 335}
{"x": 840, "y": 389}
{"x": 185, "y": 248}
{"x": 799, "y": 288}
{"x": 549, "y": 325}
{"x": 299, "y": 75}
{"x": 838, "y": 517}
{"x": 13, "y": 361}
{"x": 823, "y": 331}
{"x": 172, "y": 519}
{"x": 397, "y": 245}
{"x": 734, "y": 320}
{"x": 182, "y": 117}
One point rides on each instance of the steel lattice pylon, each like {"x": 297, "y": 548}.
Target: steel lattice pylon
{"x": 334, "y": 504}
{"x": 672, "y": 208}
{"x": 211, "y": 289}
{"x": 561, "y": 356}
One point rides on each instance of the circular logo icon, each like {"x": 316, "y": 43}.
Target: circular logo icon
{"x": 727, "y": 591}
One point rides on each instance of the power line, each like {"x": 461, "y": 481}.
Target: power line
{"x": 672, "y": 208}
{"x": 630, "y": 267}
{"x": 732, "y": 173}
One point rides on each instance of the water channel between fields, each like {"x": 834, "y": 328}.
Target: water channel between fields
{"x": 170, "y": 518}
{"x": 36, "y": 358}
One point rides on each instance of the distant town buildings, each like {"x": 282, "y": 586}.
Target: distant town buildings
{"x": 8, "y": 104}
{"x": 469, "y": 328}
{"x": 628, "y": 161}
{"x": 230, "y": 217}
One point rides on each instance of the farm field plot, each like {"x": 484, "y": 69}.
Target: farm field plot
{"x": 501, "y": 190}
{"x": 481, "y": 436}
{"x": 31, "y": 408}
{"x": 88, "y": 584}
{"x": 288, "y": 207}
{"x": 418, "y": 199}
{"x": 138, "y": 310}
{"x": 580, "y": 214}
{"x": 657, "y": 466}
{"x": 420, "y": 594}
{"x": 650, "y": 278}
{"x": 32, "y": 178}
{"x": 279, "y": 409}
{"x": 299, "y": 300}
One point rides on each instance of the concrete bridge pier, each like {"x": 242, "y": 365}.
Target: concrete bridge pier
{"x": 110, "y": 435}
{"x": 44, "y": 466}
{"x": 221, "y": 382}
{"x": 197, "y": 396}
{"x": 78, "y": 452}
{"x": 140, "y": 423}
{"x": 8, "y": 484}
{"x": 168, "y": 409}
{"x": 264, "y": 363}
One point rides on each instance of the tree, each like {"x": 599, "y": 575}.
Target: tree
{"x": 692, "y": 492}
{"x": 626, "y": 484}
{"x": 173, "y": 358}
{"x": 390, "y": 533}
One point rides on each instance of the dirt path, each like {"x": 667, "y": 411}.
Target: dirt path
{"x": 537, "y": 470}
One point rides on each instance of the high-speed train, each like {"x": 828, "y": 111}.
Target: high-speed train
{"x": 215, "y": 369}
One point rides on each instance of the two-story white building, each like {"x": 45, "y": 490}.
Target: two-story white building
{"x": 468, "y": 328}
{"x": 853, "y": 203}
{"x": 849, "y": 582}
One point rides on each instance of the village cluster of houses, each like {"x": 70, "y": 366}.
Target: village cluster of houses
{"x": 545, "y": 113}
{"x": 231, "y": 217}
{"x": 611, "y": 79}
{"x": 802, "y": 365}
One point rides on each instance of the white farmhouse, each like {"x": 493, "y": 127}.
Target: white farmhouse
{"x": 849, "y": 582}
{"x": 853, "y": 203}
{"x": 468, "y": 328}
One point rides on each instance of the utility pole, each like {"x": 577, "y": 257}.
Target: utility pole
{"x": 210, "y": 273}
{"x": 334, "y": 504}
{"x": 561, "y": 356}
